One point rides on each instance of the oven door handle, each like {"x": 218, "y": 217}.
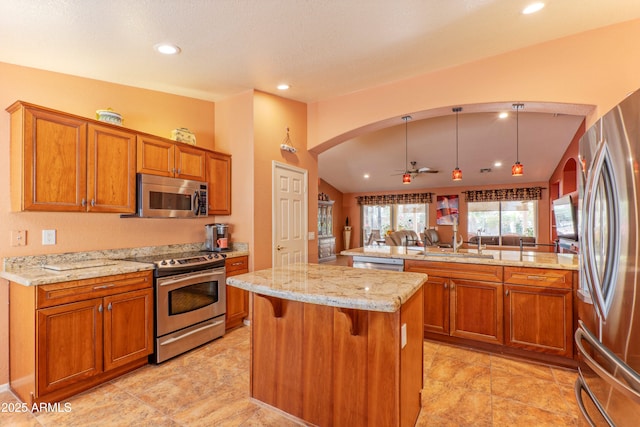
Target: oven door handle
{"x": 174, "y": 339}
{"x": 183, "y": 279}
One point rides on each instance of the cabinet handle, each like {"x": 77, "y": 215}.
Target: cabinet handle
{"x": 506, "y": 292}
{"x": 453, "y": 286}
{"x": 109, "y": 307}
{"x": 530, "y": 277}
{"x": 100, "y": 308}
{"x": 110, "y": 285}
{"x": 446, "y": 286}
{"x": 83, "y": 202}
{"x": 179, "y": 171}
{"x": 93, "y": 202}
{"x": 237, "y": 263}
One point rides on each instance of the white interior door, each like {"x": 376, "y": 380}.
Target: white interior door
{"x": 290, "y": 207}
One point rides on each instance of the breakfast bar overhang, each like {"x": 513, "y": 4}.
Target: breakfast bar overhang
{"x": 336, "y": 345}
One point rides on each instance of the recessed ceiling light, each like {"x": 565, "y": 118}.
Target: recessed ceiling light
{"x": 167, "y": 49}
{"x": 532, "y": 8}
{"x": 503, "y": 115}
{"x": 497, "y": 164}
{"x": 283, "y": 86}
{"x": 366, "y": 176}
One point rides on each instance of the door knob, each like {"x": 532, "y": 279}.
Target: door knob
{"x": 279, "y": 247}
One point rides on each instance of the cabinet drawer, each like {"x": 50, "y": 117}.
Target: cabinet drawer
{"x": 487, "y": 273}
{"x": 539, "y": 277}
{"x": 237, "y": 265}
{"x": 80, "y": 290}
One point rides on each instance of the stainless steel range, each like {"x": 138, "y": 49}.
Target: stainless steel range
{"x": 190, "y": 301}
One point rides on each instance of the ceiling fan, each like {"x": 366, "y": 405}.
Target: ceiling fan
{"x": 416, "y": 171}
{"x": 408, "y": 174}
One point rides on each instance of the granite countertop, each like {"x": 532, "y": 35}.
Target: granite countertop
{"x": 33, "y": 270}
{"x": 336, "y": 286}
{"x": 499, "y": 257}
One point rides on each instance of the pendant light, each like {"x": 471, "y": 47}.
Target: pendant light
{"x": 518, "y": 168}
{"x": 456, "y": 175}
{"x": 406, "y": 177}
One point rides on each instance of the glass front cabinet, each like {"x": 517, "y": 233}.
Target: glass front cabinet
{"x": 326, "y": 239}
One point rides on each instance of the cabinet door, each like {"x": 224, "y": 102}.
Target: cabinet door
{"x": 189, "y": 162}
{"x": 111, "y": 170}
{"x": 69, "y": 340}
{"x": 155, "y": 156}
{"x": 476, "y": 310}
{"x": 237, "y": 299}
{"x": 436, "y": 305}
{"x": 219, "y": 178}
{"x": 54, "y": 162}
{"x": 539, "y": 319}
{"x": 128, "y": 327}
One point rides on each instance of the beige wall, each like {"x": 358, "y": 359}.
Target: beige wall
{"x": 272, "y": 116}
{"x": 598, "y": 67}
{"x": 234, "y": 134}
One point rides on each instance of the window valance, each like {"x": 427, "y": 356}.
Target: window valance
{"x": 395, "y": 199}
{"x": 504, "y": 194}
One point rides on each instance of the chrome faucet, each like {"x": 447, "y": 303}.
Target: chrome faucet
{"x": 480, "y": 245}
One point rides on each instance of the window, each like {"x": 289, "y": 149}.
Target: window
{"x": 384, "y": 218}
{"x": 505, "y": 222}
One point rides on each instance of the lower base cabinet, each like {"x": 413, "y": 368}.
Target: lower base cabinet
{"x": 524, "y": 310}
{"x": 538, "y": 310}
{"x": 462, "y": 301}
{"x": 326, "y": 249}
{"x": 71, "y": 336}
{"x": 237, "y": 299}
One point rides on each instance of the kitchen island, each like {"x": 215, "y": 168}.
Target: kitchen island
{"x": 335, "y": 345}
{"x": 503, "y": 301}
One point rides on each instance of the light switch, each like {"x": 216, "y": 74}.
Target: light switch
{"x": 48, "y": 237}
{"x": 312, "y": 235}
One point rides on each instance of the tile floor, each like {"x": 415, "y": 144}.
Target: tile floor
{"x": 209, "y": 386}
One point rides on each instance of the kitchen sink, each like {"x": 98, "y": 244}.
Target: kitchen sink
{"x": 456, "y": 255}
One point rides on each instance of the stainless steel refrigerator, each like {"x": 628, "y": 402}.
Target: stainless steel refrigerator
{"x": 608, "y": 386}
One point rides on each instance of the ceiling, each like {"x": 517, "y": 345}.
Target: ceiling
{"x": 322, "y": 48}
{"x": 483, "y": 139}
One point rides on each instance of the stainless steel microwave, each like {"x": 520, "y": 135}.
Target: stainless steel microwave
{"x": 165, "y": 197}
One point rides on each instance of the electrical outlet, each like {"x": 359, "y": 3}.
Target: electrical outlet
{"x": 48, "y": 237}
{"x": 312, "y": 235}
{"x": 18, "y": 238}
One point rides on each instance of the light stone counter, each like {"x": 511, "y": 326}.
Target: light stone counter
{"x": 500, "y": 257}
{"x": 31, "y": 271}
{"x": 335, "y": 286}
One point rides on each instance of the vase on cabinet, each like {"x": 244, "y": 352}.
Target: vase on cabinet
{"x": 346, "y": 235}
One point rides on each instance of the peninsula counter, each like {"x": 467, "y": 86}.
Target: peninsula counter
{"x": 335, "y": 345}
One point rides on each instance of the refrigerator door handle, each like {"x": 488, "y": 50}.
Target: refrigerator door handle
{"x": 591, "y": 274}
{"x": 578, "y": 388}
{"x": 632, "y": 390}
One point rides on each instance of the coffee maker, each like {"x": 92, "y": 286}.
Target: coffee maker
{"x": 218, "y": 237}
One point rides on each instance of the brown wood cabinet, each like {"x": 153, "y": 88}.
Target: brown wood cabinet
{"x": 159, "y": 156}
{"x": 61, "y": 162}
{"x": 538, "y": 309}
{"x": 68, "y": 337}
{"x": 218, "y": 166}
{"x": 462, "y": 300}
{"x": 237, "y": 299}
{"x": 338, "y": 367}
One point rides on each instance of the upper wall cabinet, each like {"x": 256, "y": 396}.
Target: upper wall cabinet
{"x": 61, "y": 162}
{"x": 219, "y": 179}
{"x": 158, "y": 156}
